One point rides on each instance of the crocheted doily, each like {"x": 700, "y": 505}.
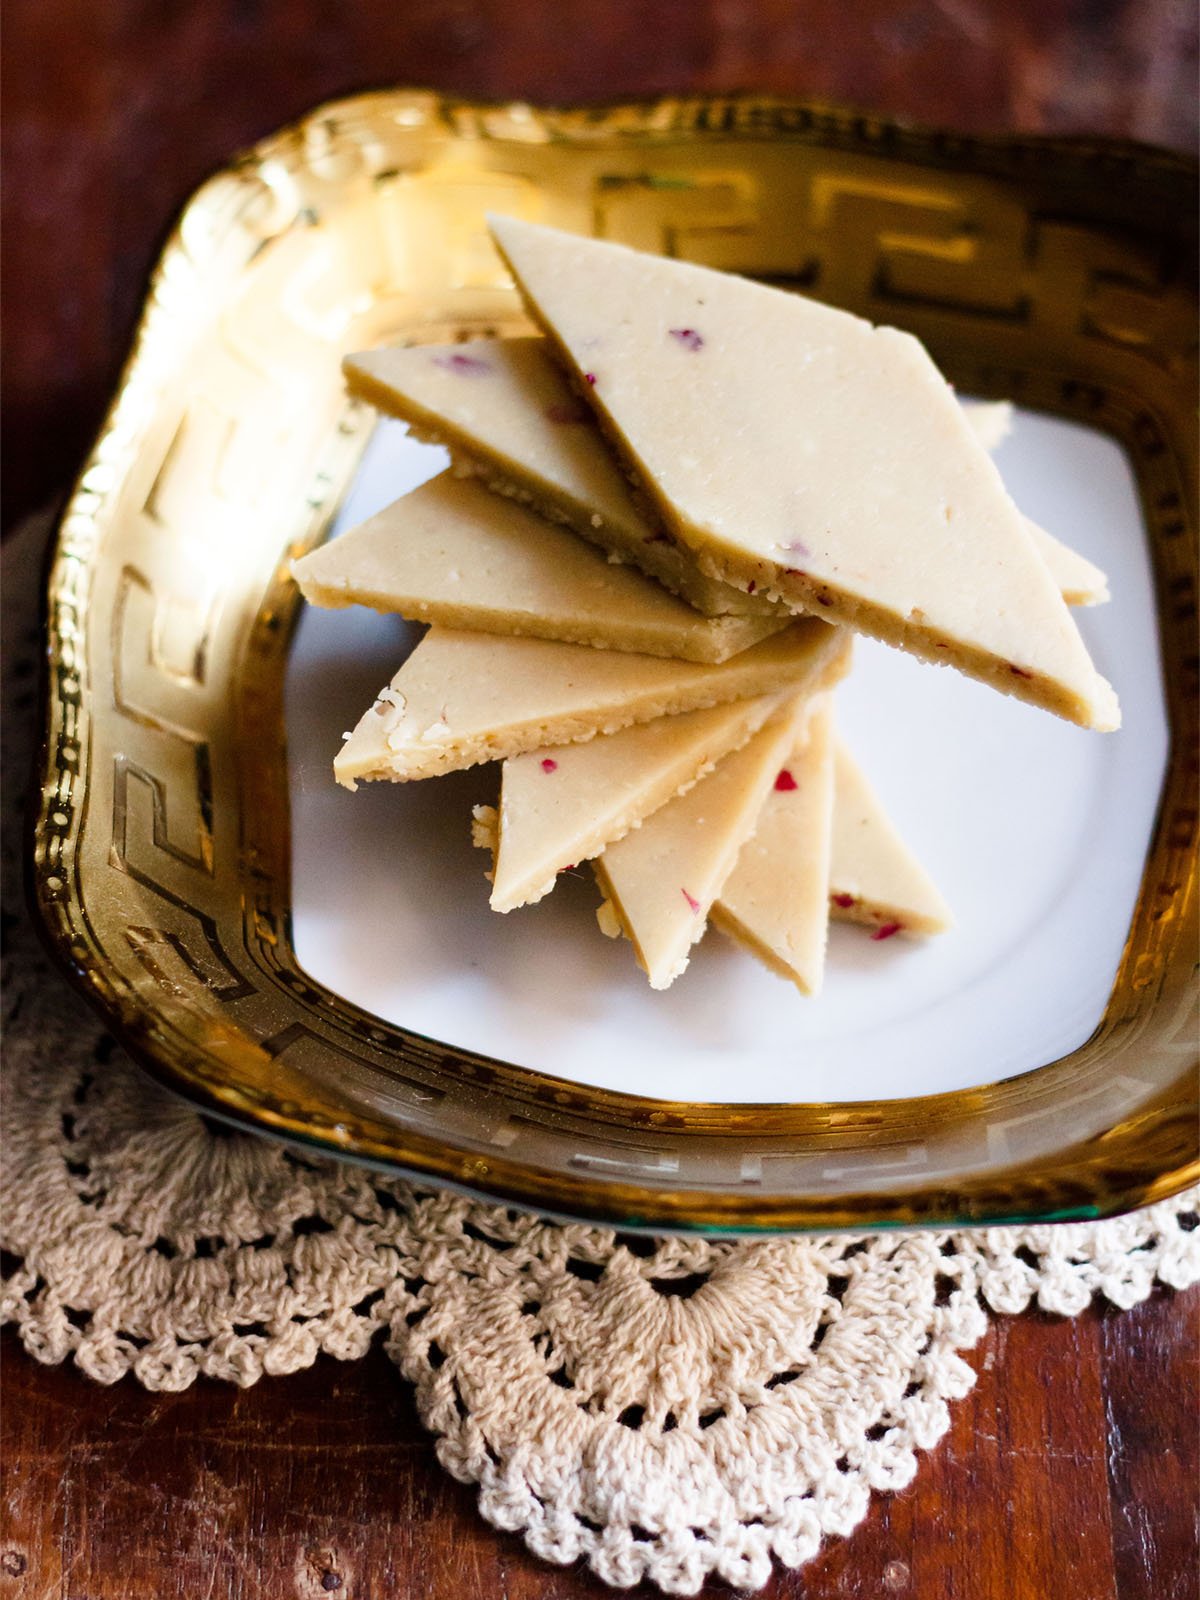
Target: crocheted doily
{"x": 668, "y": 1409}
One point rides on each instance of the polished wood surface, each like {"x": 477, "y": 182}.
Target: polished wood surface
{"x": 1068, "y": 1471}
{"x": 1071, "y": 1469}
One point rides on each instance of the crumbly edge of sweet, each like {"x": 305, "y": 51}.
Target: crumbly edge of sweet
{"x": 720, "y": 916}
{"x": 329, "y": 597}
{"x": 485, "y": 833}
{"x": 531, "y": 736}
{"x": 660, "y": 563}
{"x": 824, "y": 672}
{"x": 709, "y": 649}
{"x": 609, "y": 910}
{"x": 715, "y": 641}
{"x": 659, "y": 556}
{"x": 808, "y": 596}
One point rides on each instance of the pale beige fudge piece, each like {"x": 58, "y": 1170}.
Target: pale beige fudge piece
{"x": 874, "y": 877}
{"x": 450, "y": 552}
{"x": 660, "y": 880}
{"x": 462, "y": 698}
{"x": 992, "y": 420}
{"x": 1079, "y": 581}
{"x": 776, "y": 900}
{"x": 796, "y": 447}
{"x": 562, "y": 806}
{"x": 506, "y": 411}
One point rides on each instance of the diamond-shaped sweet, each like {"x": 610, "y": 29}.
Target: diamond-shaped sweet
{"x": 803, "y": 453}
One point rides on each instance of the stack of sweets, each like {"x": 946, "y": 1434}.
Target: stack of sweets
{"x": 664, "y": 522}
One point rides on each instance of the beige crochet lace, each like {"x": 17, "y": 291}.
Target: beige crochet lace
{"x": 667, "y": 1409}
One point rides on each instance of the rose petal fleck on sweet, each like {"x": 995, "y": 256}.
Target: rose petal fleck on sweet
{"x": 589, "y": 377}
{"x": 844, "y": 900}
{"x": 785, "y": 783}
{"x": 549, "y": 764}
{"x": 468, "y": 366}
{"x": 687, "y": 337}
{"x": 887, "y": 930}
{"x": 691, "y": 900}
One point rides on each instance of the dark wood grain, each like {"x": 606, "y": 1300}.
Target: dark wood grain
{"x": 114, "y": 113}
{"x": 1155, "y": 1448}
{"x": 1070, "y": 1470}
{"x": 1067, "y": 1472}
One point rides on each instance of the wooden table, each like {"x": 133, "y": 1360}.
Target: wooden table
{"x": 1071, "y": 1468}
